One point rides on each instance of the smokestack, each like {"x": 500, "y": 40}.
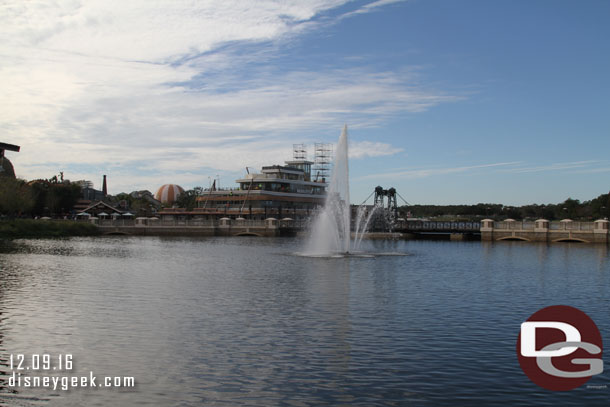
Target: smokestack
{"x": 104, "y": 187}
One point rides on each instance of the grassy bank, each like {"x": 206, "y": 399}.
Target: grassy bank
{"x": 30, "y": 228}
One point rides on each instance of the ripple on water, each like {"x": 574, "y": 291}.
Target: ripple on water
{"x": 237, "y": 321}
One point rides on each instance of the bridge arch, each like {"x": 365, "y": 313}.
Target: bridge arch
{"x": 571, "y": 239}
{"x": 248, "y": 234}
{"x": 519, "y": 238}
{"x": 116, "y": 232}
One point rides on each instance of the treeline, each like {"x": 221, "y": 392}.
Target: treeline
{"x": 30, "y": 228}
{"x": 597, "y": 208}
{"x": 37, "y": 198}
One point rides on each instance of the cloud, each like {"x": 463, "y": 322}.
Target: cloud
{"x": 423, "y": 173}
{"x": 553, "y": 167}
{"x": 361, "y": 149}
{"x": 183, "y": 89}
{"x": 593, "y": 170}
{"x": 367, "y": 8}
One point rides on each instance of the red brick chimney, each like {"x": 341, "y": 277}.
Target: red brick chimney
{"x": 104, "y": 187}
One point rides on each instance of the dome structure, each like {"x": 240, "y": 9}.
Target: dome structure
{"x": 6, "y": 168}
{"x": 168, "y": 193}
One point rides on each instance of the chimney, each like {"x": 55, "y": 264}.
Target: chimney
{"x": 104, "y": 187}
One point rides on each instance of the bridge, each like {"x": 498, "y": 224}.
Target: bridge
{"x": 466, "y": 230}
{"x": 269, "y": 227}
{"x": 540, "y": 230}
{"x": 543, "y": 230}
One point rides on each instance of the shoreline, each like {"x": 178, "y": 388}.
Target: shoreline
{"x": 42, "y": 228}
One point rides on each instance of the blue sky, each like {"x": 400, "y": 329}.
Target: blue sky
{"x": 449, "y": 102}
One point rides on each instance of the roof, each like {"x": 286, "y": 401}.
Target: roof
{"x": 104, "y": 205}
{"x": 9, "y": 147}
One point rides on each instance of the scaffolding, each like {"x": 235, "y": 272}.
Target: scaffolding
{"x": 323, "y": 161}
{"x": 299, "y": 152}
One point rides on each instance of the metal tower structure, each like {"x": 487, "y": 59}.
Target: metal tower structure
{"x": 299, "y": 152}
{"x": 390, "y": 193}
{"x": 323, "y": 160}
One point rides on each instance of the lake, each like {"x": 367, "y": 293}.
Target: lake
{"x": 243, "y": 321}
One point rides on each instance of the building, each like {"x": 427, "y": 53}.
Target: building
{"x": 278, "y": 191}
{"x": 6, "y": 167}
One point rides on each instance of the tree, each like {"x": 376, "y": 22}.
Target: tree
{"x": 16, "y": 197}
{"x": 188, "y": 199}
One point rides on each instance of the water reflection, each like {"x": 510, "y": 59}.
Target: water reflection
{"x": 241, "y": 321}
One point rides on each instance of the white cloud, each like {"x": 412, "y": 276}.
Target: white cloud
{"x": 367, "y": 8}
{"x": 130, "y": 87}
{"x": 361, "y": 149}
{"x": 554, "y": 167}
{"x": 423, "y": 173}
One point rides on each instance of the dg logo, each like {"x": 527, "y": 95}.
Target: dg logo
{"x": 560, "y": 348}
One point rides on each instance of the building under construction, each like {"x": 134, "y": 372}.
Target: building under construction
{"x": 289, "y": 191}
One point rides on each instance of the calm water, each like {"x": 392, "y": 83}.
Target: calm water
{"x": 242, "y": 321}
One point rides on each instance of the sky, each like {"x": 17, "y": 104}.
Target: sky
{"x": 449, "y": 102}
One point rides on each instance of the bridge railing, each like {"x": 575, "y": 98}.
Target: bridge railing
{"x": 514, "y": 225}
{"x": 571, "y": 225}
{"x": 283, "y": 223}
{"x": 439, "y": 226}
{"x": 555, "y": 225}
{"x": 115, "y": 222}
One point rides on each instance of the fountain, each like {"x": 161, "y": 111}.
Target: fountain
{"x": 330, "y": 234}
{"x": 363, "y": 218}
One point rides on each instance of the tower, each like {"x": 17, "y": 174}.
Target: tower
{"x": 104, "y": 187}
{"x": 323, "y": 160}
{"x": 299, "y": 152}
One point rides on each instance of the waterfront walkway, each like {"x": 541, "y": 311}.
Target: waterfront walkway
{"x": 489, "y": 230}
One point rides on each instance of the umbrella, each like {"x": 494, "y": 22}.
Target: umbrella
{"x": 83, "y": 214}
{"x": 128, "y": 214}
{"x": 102, "y": 214}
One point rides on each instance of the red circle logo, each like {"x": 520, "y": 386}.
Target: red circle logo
{"x": 560, "y": 348}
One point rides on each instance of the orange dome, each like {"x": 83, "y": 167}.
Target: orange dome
{"x": 168, "y": 193}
